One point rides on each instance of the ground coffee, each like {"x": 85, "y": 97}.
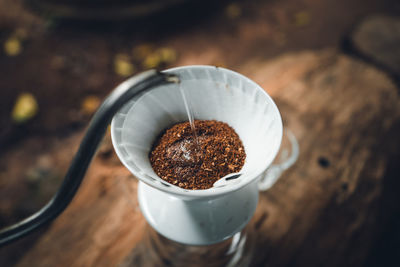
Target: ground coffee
{"x": 181, "y": 160}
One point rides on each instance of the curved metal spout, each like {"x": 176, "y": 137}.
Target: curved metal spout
{"x": 77, "y": 170}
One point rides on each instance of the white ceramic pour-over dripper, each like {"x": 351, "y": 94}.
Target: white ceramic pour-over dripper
{"x": 199, "y": 216}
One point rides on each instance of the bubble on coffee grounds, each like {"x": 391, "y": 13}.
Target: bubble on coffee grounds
{"x": 179, "y": 159}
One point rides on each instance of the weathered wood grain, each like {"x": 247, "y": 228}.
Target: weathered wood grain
{"x": 342, "y": 112}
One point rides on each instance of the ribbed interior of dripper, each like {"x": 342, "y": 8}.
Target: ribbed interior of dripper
{"x": 213, "y": 94}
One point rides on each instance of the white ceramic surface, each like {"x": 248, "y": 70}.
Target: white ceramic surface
{"x": 213, "y": 94}
{"x": 200, "y": 222}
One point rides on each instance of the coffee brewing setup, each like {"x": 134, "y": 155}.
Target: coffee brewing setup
{"x": 146, "y": 104}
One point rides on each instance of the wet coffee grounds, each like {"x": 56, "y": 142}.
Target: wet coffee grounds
{"x": 179, "y": 159}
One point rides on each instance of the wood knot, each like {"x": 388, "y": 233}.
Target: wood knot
{"x": 324, "y": 162}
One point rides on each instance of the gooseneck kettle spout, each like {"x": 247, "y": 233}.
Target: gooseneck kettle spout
{"x": 95, "y": 132}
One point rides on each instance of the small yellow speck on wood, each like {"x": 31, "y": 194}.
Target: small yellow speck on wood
{"x": 301, "y": 19}
{"x": 90, "y": 104}
{"x": 25, "y": 108}
{"x": 12, "y": 47}
{"x": 233, "y": 11}
{"x": 122, "y": 66}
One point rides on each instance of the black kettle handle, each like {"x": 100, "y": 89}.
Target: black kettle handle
{"x": 90, "y": 142}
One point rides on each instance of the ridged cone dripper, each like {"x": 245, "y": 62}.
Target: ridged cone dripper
{"x": 213, "y": 93}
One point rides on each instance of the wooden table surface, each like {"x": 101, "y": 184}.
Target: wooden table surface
{"x": 330, "y": 209}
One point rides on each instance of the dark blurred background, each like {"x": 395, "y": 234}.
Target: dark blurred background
{"x": 59, "y": 59}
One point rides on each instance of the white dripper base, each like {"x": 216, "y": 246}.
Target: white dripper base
{"x": 201, "y": 221}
